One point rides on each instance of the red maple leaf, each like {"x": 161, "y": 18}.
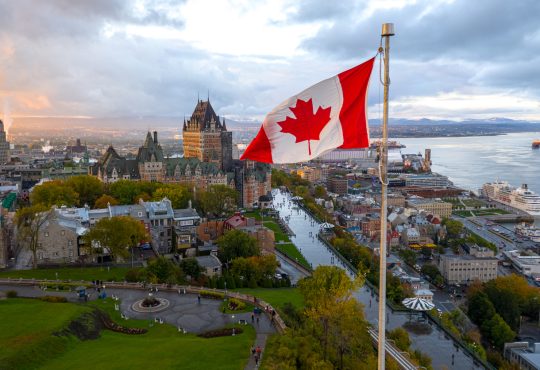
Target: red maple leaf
{"x": 305, "y": 125}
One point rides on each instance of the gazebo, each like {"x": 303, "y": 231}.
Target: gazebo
{"x": 417, "y": 304}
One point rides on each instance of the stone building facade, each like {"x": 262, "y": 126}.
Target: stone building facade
{"x": 206, "y": 137}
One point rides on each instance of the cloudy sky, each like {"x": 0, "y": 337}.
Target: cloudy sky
{"x": 108, "y": 58}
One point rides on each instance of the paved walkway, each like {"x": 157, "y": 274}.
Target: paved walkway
{"x": 184, "y": 312}
{"x": 261, "y": 342}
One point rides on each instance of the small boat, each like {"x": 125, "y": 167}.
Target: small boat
{"x": 536, "y": 144}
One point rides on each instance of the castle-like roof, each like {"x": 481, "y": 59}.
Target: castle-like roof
{"x": 204, "y": 118}
{"x": 189, "y": 166}
{"x": 151, "y": 150}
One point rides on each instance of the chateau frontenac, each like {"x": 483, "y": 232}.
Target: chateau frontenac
{"x": 207, "y": 160}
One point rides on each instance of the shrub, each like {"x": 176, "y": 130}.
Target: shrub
{"x": 135, "y": 275}
{"x": 211, "y": 295}
{"x": 236, "y": 305}
{"x": 225, "y": 332}
{"x": 53, "y": 299}
{"x": 11, "y": 294}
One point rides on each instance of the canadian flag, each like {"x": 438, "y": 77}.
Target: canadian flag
{"x": 328, "y": 115}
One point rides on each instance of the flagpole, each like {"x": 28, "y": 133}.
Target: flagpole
{"x": 387, "y": 31}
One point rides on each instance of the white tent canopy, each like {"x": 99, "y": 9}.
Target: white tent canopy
{"x": 327, "y": 225}
{"x": 418, "y": 304}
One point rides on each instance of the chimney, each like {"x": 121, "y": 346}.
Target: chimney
{"x": 155, "y": 137}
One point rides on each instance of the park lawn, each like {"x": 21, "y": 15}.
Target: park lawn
{"x": 277, "y": 297}
{"x": 26, "y": 342}
{"x": 292, "y": 252}
{"x": 161, "y": 348}
{"x": 26, "y": 327}
{"x": 70, "y": 273}
{"x": 473, "y": 203}
{"x": 279, "y": 235}
{"x": 463, "y": 213}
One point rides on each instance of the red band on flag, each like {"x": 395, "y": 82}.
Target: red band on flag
{"x": 353, "y": 114}
{"x": 259, "y": 149}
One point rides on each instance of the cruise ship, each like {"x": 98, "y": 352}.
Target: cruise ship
{"x": 520, "y": 198}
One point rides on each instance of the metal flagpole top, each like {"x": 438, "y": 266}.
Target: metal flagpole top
{"x": 387, "y": 29}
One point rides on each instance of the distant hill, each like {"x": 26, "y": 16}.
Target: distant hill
{"x": 427, "y": 121}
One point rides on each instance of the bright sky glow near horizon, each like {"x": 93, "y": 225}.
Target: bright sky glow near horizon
{"x": 107, "y": 58}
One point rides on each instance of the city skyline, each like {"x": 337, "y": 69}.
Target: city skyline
{"x": 449, "y": 59}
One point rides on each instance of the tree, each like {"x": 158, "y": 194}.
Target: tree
{"x": 512, "y": 296}
{"x": 54, "y": 193}
{"x": 236, "y": 243}
{"x": 497, "y": 331}
{"x": 454, "y": 228}
{"x": 426, "y": 252}
{"x": 116, "y": 234}
{"x": 163, "y": 270}
{"x": 319, "y": 192}
{"x": 401, "y": 338}
{"x": 178, "y": 195}
{"x": 430, "y": 270}
{"x": 326, "y": 295}
{"x": 218, "y": 200}
{"x": 89, "y": 188}
{"x": 408, "y": 256}
{"x": 480, "y": 308}
{"x": 30, "y": 221}
{"x": 191, "y": 267}
{"x": 128, "y": 192}
{"x": 104, "y": 201}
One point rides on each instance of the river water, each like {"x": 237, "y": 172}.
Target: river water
{"x": 472, "y": 161}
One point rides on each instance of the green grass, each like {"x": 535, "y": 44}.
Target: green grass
{"x": 277, "y": 297}
{"x": 26, "y": 327}
{"x": 473, "y": 203}
{"x": 292, "y": 252}
{"x": 70, "y": 273}
{"x": 482, "y": 212}
{"x": 279, "y": 235}
{"x": 26, "y": 342}
{"x": 161, "y": 348}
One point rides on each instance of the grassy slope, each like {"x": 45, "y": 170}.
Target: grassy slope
{"x": 73, "y": 273}
{"x": 27, "y": 336}
{"x": 291, "y": 251}
{"x": 162, "y": 348}
{"x": 277, "y": 297}
{"x": 26, "y": 327}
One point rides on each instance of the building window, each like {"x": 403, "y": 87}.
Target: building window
{"x": 70, "y": 243}
{"x": 63, "y": 232}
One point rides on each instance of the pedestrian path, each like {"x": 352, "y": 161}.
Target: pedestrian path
{"x": 260, "y": 342}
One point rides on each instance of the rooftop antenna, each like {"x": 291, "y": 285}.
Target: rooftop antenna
{"x": 208, "y": 96}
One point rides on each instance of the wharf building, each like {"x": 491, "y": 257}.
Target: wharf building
{"x": 433, "y": 206}
{"x": 207, "y": 160}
